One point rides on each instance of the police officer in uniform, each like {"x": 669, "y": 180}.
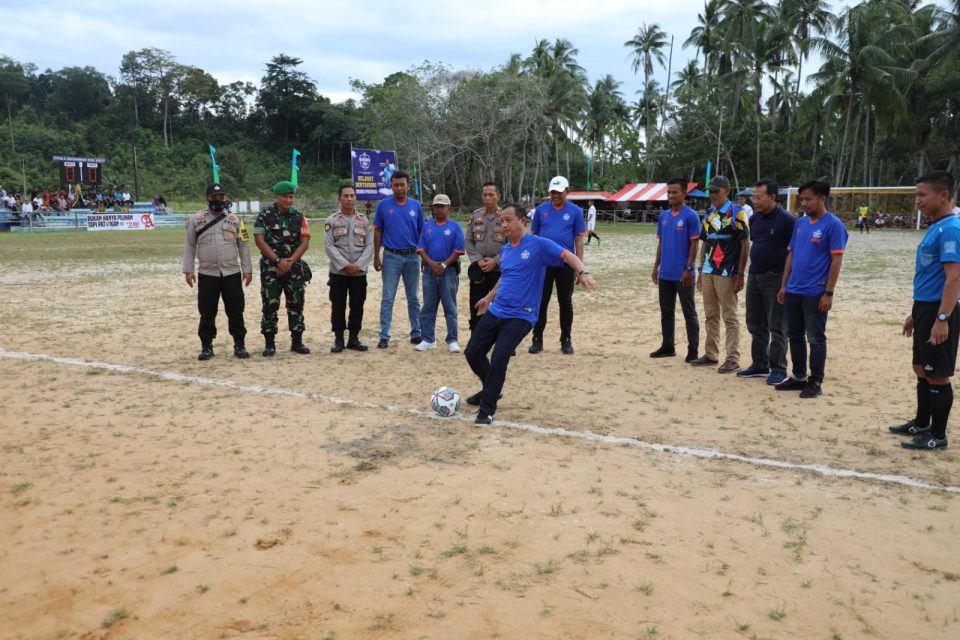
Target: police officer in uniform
{"x": 283, "y": 236}
{"x": 218, "y": 237}
{"x": 483, "y": 242}
{"x": 349, "y": 243}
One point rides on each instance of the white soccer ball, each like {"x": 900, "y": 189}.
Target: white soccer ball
{"x": 445, "y": 401}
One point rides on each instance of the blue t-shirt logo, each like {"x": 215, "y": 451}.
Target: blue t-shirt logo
{"x": 815, "y": 238}
{"x": 447, "y": 232}
{"x": 566, "y": 216}
{"x": 679, "y": 225}
{"x": 524, "y": 254}
{"x": 412, "y": 213}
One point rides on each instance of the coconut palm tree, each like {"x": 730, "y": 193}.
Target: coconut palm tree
{"x": 804, "y": 19}
{"x": 645, "y": 48}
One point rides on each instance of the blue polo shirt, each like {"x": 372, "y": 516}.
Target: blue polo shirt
{"x": 813, "y": 245}
{"x": 401, "y": 224}
{"x": 770, "y": 235}
{"x": 522, "y": 269}
{"x": 940, "y": 244}
{"x": 676, "y": 233}
{"x": 560, "y": 225}
{"x": 440, "y": 240}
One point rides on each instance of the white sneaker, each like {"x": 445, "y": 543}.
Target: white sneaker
{"x": 424, "y": 345}
{"x": 454, "y": 347}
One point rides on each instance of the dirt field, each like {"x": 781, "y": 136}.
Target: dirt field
{"x": 134, "y": 505}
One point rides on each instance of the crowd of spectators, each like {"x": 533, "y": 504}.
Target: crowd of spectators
{"x": 60, "y": 202}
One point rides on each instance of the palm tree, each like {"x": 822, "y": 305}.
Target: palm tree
{"x": 605, "y": 108}
{"x": 704, "y": 36}
{"x": 804, "y": 18}
{"x": 645, "y": 48}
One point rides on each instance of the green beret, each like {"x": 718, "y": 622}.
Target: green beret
{"x": 284, "y": 187}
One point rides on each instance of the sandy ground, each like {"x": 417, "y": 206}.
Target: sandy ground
{"x": 137, "y": 507}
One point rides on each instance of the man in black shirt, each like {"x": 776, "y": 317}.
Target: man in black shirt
{"x": 770, "y": 230}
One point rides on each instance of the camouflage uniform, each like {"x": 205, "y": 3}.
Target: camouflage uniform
{"x": 282, "y": 232}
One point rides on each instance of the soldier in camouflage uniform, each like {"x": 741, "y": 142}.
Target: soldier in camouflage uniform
{"x": 282, "y": 235}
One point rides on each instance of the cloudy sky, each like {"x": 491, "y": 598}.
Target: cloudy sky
{"x": 338, "y": 40}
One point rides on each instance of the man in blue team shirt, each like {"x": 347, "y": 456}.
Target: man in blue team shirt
{"x": 770, "y": 231}
{"x": 510, "y": 310}
{"x": 441, "y": 245}
{"x": 806, "y": 292}
{"x": 562, "y": 222}
{"x": 934, "y": 322}
{"x": 678, "y": 230}
{"x": 397, "y": 226}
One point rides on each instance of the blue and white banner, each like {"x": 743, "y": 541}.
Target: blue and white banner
{"x": 372, "y": 170}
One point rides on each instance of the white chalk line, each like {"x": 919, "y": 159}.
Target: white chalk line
{"x": 518, "y": 426}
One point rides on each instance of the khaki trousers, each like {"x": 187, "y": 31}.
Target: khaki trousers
{"x": 720, "y": 300}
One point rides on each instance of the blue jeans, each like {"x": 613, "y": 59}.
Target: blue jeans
{"x": 503, "y": 336}
{"x": 394, "y": 267}
{"x": 806, "y": 323}
{"x": 436, "y": 290}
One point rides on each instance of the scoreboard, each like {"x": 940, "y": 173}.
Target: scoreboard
{"x": 77, "y": 170}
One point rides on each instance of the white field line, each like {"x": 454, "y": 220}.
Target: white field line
{"x": 519, "y": 426}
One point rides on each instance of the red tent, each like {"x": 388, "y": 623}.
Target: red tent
{"x": 644, "y": 192}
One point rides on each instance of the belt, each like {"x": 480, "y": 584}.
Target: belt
{"x": 400, "y": 252}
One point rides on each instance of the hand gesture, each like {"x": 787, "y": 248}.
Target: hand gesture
{"x": 189, "y": 278}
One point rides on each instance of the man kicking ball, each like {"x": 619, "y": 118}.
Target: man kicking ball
{"x": 509, "y": 311}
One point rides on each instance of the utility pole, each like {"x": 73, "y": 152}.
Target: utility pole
{"x": 136, "y": 174}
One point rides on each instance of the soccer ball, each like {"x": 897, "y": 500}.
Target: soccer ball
{"x": 445, "y": 401}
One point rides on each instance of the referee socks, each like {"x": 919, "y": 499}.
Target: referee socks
{"x": 941, "y": 400}
{"x": 923, "y": 404}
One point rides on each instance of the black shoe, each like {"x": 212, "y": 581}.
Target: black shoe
{"x": 384, "y": 343}
{"x": 355, "y": 344}
{"x": 416, "y": 340}
{"x": 664, "y": 352}
{"x": 691, "y": 357}
{"x": 791, "y": 384}
{"x": 482, "y": 419}
{"x": 474, "y": 400}
{"x": 536, "y": 347}
{"x": 909, "y": 429}
{"x": 923, "y": 442}
{"x": 206, "y": 352}
{"x": 239, "y": 351}
{"x": 337, "y": 346}
{"x": 811, "y": 390}
{"x": 296, "y": 344}
{"x": 566, "y": 348}
{"x": 271, "y": 347}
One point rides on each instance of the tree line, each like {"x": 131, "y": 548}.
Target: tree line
{"x": 882, "y": 107}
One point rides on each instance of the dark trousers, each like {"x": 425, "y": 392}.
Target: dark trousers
{"x": 565, "y": 280}
{"x": 591, "y": 234}
{"x": 669, "y": 291}
{"x": 805, "y": 320}
{"x": 503, "y": 335}
{"x": 480, "y": 285}
{"x": 343, "y": 287}
{"x": 209, "y": 291}
{"x": 765, "y": 322}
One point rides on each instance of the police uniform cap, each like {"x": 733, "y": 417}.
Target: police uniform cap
{"x": 214, "y": 188}
{"x": 283, "y": 187}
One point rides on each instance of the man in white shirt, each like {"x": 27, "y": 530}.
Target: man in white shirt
{"x": 592, "y": 223}
{"x": 745, "y": 206}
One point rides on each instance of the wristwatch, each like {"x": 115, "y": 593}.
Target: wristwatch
{"x": 942, "y": 317}
{"x": 583, "y": 271}
{"x": 828, "y": 293}
{"x": 689, "y": 268}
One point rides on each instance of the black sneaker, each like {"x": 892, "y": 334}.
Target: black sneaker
{"x": 415, "y": 340}
{"x": 239, "y": 351}
{"x": 384, "y": 343}
{"x": 791, "y": 384}
{"x": 536, "y": 347}
{"x": 664, "y": 352}
{"x": 811, "y": 390}
{"x": 909, "y": 429}
{"x": 482, "y": 419}
{"x": 923, "y": 442}
{"x": 206, "y": 352}
{"x": 337, "y": 346}
{"x": 566, "y": 348}
{"x": 354, "y": 344}
{"x": 691, "y": 357}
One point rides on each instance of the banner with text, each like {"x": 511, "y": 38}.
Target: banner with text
{"x": 372, "y": 170}
{"x": 120, "y": 221}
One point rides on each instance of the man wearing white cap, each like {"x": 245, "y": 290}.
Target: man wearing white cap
{"x": 562, "y": 222}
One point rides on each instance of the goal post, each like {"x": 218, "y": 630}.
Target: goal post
{"x": 888, "y": 199}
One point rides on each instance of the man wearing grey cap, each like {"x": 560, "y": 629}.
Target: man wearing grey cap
{"x": 218, "y": 237}
{"x": 725, "y": 239}
{"x": 440, "y": 248}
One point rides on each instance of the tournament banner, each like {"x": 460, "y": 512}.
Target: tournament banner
{"x": 372, "y": 170}
{"x": 120, "y": 221}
